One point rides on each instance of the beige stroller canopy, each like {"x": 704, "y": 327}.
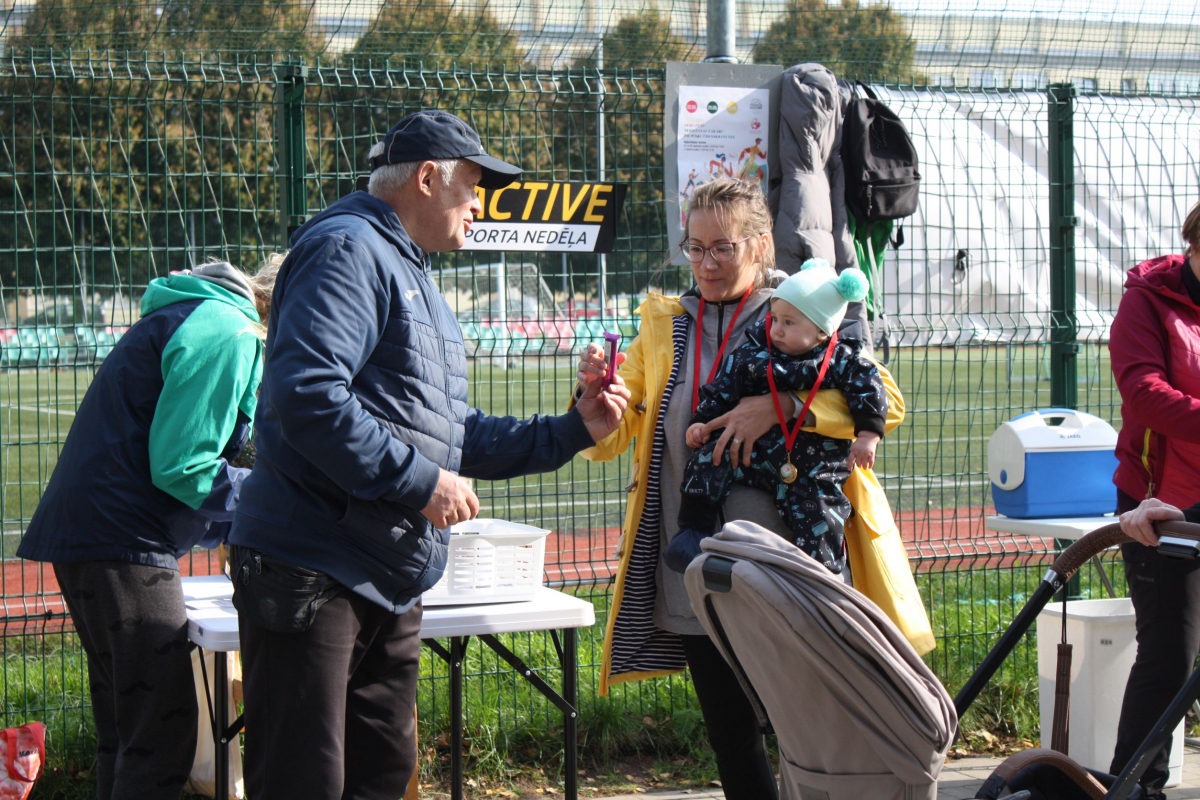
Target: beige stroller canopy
{"x": 857, "y": 713}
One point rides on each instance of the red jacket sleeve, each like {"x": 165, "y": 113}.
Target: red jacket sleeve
{"x": 1138, "y": 345}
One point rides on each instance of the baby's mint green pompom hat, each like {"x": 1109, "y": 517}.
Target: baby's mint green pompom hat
{"x": 821, "y": 294}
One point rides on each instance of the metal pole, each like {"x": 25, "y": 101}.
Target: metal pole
{"x": 722, "y": 31}
{"x": 193, "y": 249}
{"x": 1064, "y": 384}
{"x": 290, "y": 132}
{"x": 1007, "y": 642}
{"x": 1064, "y": 388}
{"x": 502, "y": 298}
{"x": 571, "y": 720}
{"x": 601, "y": 260}
{"x": 457, "y": 653}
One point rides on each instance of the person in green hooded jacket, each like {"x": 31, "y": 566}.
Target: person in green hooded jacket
{"x": 145, "y": 476}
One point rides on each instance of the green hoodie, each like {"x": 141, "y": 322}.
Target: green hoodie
{"x": 211, "y": 368}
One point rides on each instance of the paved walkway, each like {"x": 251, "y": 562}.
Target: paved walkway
{"x": 960, "y": 779}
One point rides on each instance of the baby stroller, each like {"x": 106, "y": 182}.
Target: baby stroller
{"x": 856, "y": 712}
{"x": 1045, "y": 773}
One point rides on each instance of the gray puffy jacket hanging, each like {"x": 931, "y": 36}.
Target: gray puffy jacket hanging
{"x": 809, "y": 200}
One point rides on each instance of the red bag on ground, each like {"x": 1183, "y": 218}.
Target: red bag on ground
{"x": 22, "y": 754}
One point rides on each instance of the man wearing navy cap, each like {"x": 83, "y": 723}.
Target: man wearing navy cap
{"x": 362, "y": 430}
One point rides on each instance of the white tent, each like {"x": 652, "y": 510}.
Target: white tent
{"x": 975, "y": 266}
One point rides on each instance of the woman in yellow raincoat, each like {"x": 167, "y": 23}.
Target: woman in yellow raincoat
{"x": 651, "y": 628}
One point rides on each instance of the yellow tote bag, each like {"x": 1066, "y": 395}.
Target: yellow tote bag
{"x": 879, "y": 563}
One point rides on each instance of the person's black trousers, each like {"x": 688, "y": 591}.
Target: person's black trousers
{"x": 132, "y": 624}
{"x": 733, "y": 729}
{"x": 1166, "y": 599}
{"x": 329, "y": 712}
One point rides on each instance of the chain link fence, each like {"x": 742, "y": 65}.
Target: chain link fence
{"x": 119, "y": 166}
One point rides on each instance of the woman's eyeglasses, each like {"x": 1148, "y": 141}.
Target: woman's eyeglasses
{"x": 722, "y": 252}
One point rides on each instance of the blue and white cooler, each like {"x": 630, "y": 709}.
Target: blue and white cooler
{"x": 1055, "y": 462}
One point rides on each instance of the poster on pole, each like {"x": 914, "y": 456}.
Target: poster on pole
{"x": 718, "y": 120}
{"x": 723, "y": 133}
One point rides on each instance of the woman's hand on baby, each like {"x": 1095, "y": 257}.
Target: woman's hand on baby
{"x": 749, "y": 420}
{"x": 695, "y": 435}
{"x": 862, "y": 451}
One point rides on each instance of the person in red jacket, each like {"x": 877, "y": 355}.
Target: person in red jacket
{"x": 1155, "y": 350}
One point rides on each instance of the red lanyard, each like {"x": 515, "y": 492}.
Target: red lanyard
{"x": 789, "y": 439}
{"x": 720, "y": 353}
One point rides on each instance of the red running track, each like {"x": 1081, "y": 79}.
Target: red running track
{"x": 938, "y": 539}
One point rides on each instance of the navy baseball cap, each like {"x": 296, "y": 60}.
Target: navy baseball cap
{"x": 436, "y": 135}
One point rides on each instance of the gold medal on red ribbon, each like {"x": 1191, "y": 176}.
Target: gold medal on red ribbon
{"x": 788, "y": 472}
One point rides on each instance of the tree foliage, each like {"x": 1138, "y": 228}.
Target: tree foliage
{"x": 436, "y": 34}
{"x": 121, "y": 175}
{"x": 852, "y": 39}
{"x": 201, "y": 29}
{"x": 633, "y": 132}
{"x": 643, "y": 40}
{"x": 121, "y": 167}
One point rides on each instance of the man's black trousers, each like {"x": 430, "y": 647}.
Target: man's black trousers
{"x": 329, "y": 712}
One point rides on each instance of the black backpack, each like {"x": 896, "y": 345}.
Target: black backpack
{"x": 880, "y": 160}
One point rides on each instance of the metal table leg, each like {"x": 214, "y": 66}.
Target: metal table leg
{"x": 224, "y": 733}
{"x": 565, "y": 702}
{"x": 571, "y": 718}
{"x": 221, "y": 724}
{"x": 456, "y": 718}
{"x": 1108, "y": 587}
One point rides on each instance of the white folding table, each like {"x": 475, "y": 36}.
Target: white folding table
{"x": 213, "y": 625}
{"x": 1062, "y": 530}
{"x": 1072, "y": 528}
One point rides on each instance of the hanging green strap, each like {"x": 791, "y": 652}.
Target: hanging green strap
{"x": 870, "y": 245}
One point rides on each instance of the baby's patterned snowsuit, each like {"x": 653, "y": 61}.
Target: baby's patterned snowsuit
{"x": 814, "y": 507}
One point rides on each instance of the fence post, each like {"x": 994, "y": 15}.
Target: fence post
{"x": 1064, "y": 387}
{"x": 722, "y": 31}
{"x": 290, "y": 79}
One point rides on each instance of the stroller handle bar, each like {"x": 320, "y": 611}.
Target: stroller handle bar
{"x": 1087, "y": 547}
{"x": 1179, "y": 539}
{"x": 1176, "y": 538}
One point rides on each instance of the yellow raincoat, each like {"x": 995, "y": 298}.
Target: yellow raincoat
{"x": 646, "y": 370}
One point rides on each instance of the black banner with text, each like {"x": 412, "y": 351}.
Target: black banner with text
{"x": 548, "y": 216}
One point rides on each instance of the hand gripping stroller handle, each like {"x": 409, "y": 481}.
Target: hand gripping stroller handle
{"x": 1177, "y": 538}
{"x": 1066, "y": 565}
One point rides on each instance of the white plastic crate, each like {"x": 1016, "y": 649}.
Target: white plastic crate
{"x": 490, "y": 561}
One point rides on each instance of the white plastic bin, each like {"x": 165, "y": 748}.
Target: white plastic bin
{"x": 490, "y": 561}
{"x": 1102, "y": 632}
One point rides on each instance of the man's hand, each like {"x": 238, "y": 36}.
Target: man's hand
{"x": 695, "y": 435}
{"x": 862, "y": 452}
{"x": 602, "y": 411}
{"x": 1139, "y": 523}
{"x": 593, "y": 366}
{"x": 452, "y": 502}
{"x": 600, "y": 406}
